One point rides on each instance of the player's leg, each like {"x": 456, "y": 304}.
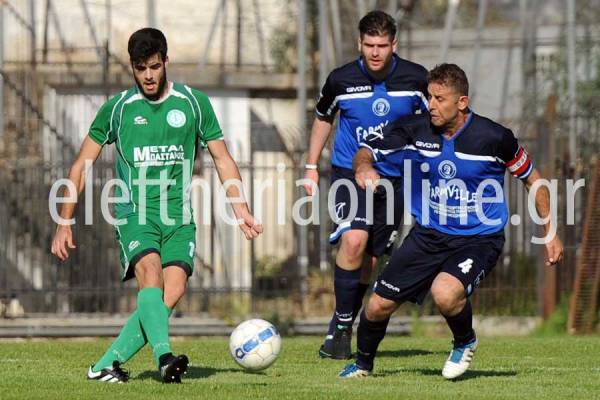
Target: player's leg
{"x": 132, "y": 338}
{"x": 365, "y": 281}
{"x": 178, "y": 247}
{"x": 175, "y": 280}
{"x": 460, "y": 274}
{"x": 353, "y": 233}
{"x": 135, "y": 242}
{"x": 366, "y": 272}
{"x": 371, "y": 331}
{"x": 406, "y": 277}
{"x": 449, "y": 296}
{"x": 348, "y": 292}
{"x": 153, "y": 312}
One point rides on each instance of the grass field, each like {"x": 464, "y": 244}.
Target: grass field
{"x": 407, "y": 368}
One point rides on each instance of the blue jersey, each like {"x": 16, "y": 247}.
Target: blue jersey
{"x": 367, "y": 105}
{"x": 457, "y": 183}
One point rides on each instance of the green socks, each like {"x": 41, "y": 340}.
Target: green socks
{"x": 133, "y": 337}
{"x": 155, "y": 320}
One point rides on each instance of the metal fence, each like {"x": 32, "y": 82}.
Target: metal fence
{"x": 41, "y": 136}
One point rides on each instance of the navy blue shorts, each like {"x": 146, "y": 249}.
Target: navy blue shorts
{"x": 426, "y": 252}
{"x": 382, "y": 232}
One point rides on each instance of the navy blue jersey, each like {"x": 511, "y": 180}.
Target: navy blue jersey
{"x": 367, "y": 105}
{"x": 457, "y": 183}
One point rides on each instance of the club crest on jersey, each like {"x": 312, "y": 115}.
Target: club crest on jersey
{"x": 381, "y": 107}
{"x": 176, "y": 118}
{"x": 447, "y": 169}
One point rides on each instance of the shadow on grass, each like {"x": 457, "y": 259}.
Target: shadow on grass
{"x": 471, "y": 374}
{"x": 407, "y": 353}
{"x": 195, "y": 372}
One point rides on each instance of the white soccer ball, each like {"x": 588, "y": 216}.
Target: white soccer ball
{"x": 255, "y": 344}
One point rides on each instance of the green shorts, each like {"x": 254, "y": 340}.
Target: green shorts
{"x": 175, "y": 244}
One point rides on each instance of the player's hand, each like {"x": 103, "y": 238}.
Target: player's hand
{"x": 62, "y": 242}
{"x": 554, "y": 251}
{"x": 313, "y": 175}
{"x": 250, "y": 226}
{"x": 366, "y": 176}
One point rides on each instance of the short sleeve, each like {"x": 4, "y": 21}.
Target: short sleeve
{"x": 209, "y": 124}
{"x": 326, "y": 104}
{"x": 100, "y": 131}
{"x": 514, "y": 156}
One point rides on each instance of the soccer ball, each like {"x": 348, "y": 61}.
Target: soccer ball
{"x": 255, "y": 344}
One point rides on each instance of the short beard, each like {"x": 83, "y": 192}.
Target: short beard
{"x": 159, "y": 92}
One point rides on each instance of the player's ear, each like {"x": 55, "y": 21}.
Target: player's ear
{"x": 463, "y": 103}
{"x": 166, "y": 60}
{"x": 358, "y": 43}
{"x": 395, "y": 45}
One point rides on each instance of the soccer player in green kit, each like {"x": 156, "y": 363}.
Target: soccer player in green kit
{"x": 155, "y": 126}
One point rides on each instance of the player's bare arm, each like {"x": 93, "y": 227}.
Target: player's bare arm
{"x": 365, "y": 174}
{"x": 63, "y": 238}
{"x": 554, "y": 248}
{"x": 227, "y": 170}
{"x": 319, "y": 135}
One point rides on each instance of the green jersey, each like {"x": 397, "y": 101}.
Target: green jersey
{"x": 156, "y": 142}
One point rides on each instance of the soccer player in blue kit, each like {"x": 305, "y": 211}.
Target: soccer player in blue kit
{"x": 458, "y": 235}
{"x": 370, "y": 92}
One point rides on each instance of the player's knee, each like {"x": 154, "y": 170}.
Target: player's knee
{"x": 354, "y": 244}
{"x": 148, "y": 271}
{"x": 379, "y": 308}
{"x": 446, "y": 300}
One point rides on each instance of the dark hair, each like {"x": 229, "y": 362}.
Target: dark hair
{"x": 450, "y": 75}
{"x": 377, "y": 23}
{"x": 146, "y": 42}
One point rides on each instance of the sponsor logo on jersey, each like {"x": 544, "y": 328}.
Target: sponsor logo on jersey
{"x": 371, "y": 133}
{"x": 453, "y": 192}
{"x": 133, "y": 245}
{"x": 357, "y": 89}
{"x": 176, "y": 118}
{"x": 139, "y": 120}
{"x": 447, "y": 169}
{"x": 158, "y": 155}
{"x": 427, "y": 145}
{"x": 381, "y": 107}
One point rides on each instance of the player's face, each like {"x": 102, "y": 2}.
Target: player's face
{"x": 377, "y": 51}
{"x": 445, "y": 104}
{"x": 151, "y": 76}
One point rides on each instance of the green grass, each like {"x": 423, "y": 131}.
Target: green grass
{"x": 407, "y": 368}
